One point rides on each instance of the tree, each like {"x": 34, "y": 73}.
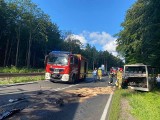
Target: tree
{"x": 139, "y": 39}
{"x": 72, "y": 44}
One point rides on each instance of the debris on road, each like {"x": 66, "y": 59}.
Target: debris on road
{"x": 50, "y": 100}
{"x": 15, "y": 100}
{"x": 85, "y": 93}
{"x": 9, "y": 113}
{"x": 81, "y": 95}
{"x": 60, "y": 102}
{"x": 40, "y": 92}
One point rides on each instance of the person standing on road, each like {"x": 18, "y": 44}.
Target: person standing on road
{"x": 99, "y": 73}
{"x": 94, "y": 73}
{"x": 119, "y": 77}
{"x": 111, "y": 78}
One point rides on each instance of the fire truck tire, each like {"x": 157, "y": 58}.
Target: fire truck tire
{"x": 52, "y": 81}
{"x": 73, "y": 79}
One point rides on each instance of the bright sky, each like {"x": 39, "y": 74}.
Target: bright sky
{"x": 91, "y": 21}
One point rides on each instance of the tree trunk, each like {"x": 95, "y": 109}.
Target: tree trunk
{"x": 34, "y": 59}
{"x": 9, "y": 54}
{"x": 6, "y": 53}
{"x": 17, "y": 52}
{"x": 1, "y": 35}
{"x": 26, "y": 58}
{"x": 93, "y": 65}
{"x": 29, "y": 50}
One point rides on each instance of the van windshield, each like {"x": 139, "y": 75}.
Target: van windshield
{"x": 135, "y": 69}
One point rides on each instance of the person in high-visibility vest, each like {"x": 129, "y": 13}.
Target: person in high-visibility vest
{"x": 99, "y": 73}
{"x": 119, "y": 77}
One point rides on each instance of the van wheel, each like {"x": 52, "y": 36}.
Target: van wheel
{"x": 149, "y": 87}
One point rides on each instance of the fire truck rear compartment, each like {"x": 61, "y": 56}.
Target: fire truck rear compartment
{"x": 137, "y": 82}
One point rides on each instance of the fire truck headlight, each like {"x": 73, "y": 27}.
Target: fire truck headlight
{"x": 47, "y": 75}
{"x": 65, "y": 77}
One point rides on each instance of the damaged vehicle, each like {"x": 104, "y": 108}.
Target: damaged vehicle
{"x": 139, "y": 76}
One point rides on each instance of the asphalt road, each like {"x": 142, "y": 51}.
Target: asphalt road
{"x": 45, "y": 100}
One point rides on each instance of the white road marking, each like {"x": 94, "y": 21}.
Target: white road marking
{"x": 103, "y": 117}
{"x": 20, "y": 92}
{"x": 57, "y": 89}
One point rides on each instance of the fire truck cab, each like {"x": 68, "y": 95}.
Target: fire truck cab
{"x": 65, "y": 66}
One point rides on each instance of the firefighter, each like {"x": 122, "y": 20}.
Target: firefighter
{"x": 99, "y": 73}
{"x": 119, "y": 77}
{"x": 111, "y": 78}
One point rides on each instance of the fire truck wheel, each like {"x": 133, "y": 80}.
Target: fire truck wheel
{"x": 52, "y": 81}
{"x": 73, "y": 79}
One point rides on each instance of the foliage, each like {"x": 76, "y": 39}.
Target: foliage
{"x": 139, "y": 41}
{"x": 14, "y": 69}
{"x": 25, "y": 33}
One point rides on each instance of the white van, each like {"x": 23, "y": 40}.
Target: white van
{"x": 139, "y": 76}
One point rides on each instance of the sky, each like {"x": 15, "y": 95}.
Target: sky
{"x": 91, "y": 21}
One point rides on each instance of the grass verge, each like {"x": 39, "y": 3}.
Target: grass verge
{"x": 14, "y": 69}
{"x": 115, "y": 105}
{"x": 145, "y": 105}
{"x": 20, "y": 80}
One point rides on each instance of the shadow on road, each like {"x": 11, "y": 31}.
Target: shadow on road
{"x": 40, "y": 105}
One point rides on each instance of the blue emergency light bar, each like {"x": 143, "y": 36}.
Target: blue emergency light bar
{"x": 61, "y": 52}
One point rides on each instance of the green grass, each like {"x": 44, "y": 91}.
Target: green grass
{"x": 21, "y": 80}
{"x": 115, "y": 105}
{"x": 14, "y": 69}
{"x": 145, "y": 105}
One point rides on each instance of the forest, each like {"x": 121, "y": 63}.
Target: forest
{"x": 27, "y": 34}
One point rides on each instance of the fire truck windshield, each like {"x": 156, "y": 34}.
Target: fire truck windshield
{"x": 58, "y": 59}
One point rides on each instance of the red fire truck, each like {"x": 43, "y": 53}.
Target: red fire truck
{"x": 65, "y": 66}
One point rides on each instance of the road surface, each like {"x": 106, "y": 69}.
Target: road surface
{"x": 57, "y": 101}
